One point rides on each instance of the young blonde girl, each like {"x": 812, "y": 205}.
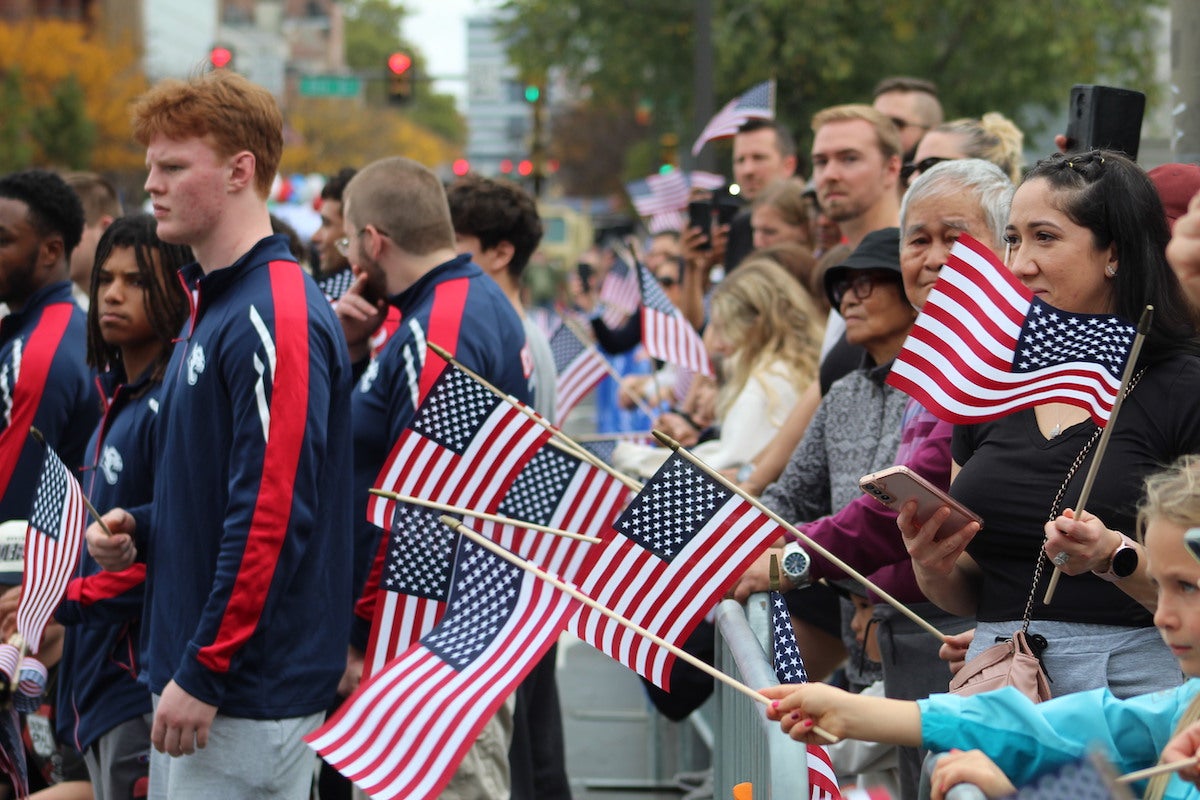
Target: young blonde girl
{"x": 1022, "y": 741}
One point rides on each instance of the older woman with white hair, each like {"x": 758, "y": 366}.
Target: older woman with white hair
{"x": 953, "y": 198}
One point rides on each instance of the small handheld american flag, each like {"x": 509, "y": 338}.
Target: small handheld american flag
{"x": 52, "y": 541}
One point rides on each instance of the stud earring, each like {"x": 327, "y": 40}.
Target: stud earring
{"x": 1110, "y": 270}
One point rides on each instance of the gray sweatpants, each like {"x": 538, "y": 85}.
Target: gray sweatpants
{"x": 245, "y": 759}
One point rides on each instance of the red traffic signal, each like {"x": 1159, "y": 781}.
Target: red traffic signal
{"x": 398, "y": 63}
{"x": 220, "y": 57}
{"x": 460, "y": 167}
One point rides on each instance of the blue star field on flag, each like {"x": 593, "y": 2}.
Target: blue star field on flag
{"x": 483, "y": 598}
{"x": 677, "y": 502}
{"x": 1051, "y": 336}
{"x": 789, "y": 666}
{"x": 419, "y": 554}
{"x": 454, "y": 410}
{"x": 537, "y": 492}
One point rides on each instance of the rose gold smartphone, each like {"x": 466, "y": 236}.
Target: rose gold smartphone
{"x": 895, "y": 486}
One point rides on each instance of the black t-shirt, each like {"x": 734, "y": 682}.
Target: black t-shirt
{"x": 1011, "y": 474}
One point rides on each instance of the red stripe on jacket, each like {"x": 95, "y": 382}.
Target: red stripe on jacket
{"x": 273, "y": 506}
{"x": 36, "y": 360}
{"x": 445, "y": 319}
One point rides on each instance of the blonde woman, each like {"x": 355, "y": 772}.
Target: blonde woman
{"x": 765, "y": 335}
{"x": 993, "y": 137}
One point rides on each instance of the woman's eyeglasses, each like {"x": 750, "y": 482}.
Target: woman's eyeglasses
{"x": 909, "y": 170}
{"x": 862, "y": 284}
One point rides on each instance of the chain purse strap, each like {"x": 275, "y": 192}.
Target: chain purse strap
{"x": 1062, "y": 490}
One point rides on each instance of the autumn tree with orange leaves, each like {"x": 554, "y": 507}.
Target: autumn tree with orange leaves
{"x": 71, "y": 94}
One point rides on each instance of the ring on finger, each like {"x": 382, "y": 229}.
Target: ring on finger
{"x": 1061, "y": 559}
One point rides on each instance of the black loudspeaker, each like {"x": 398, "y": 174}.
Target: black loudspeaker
{"x": 1105, "y": 117}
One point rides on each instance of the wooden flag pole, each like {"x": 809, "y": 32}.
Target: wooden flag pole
{"x": 567, "y": 441}
{"x": 1159, "y": 769}
{"x": 608, "y": 437}
{"x": 466, "y": 512}
{"x": 91, "y": 508}
{"x": 799, "y": 534}
{"x": 1143, "y": 328}
{"x": 579, "y": 334}
{"x": 529, "y": 566}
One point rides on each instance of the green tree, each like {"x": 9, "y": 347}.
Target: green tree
{"x": 15, "y": 146}
{"x": 372, "y": 34}
{"x": 1020, "y": 57}
{"x": 66, "y": 134}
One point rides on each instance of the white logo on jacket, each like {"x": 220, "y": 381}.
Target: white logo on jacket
{"x": 111, "y": 464}
{"x": 195, "y": 364}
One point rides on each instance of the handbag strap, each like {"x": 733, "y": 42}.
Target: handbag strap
{"x": 1062, "y": 490}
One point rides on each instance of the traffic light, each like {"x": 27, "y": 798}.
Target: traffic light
{"x": 220, "y": 57}
{"x": 460, "y": 167}
{"x": 399, "y": 78}
{"x": 533, "y": 93}
{"x": 669, "y": 158}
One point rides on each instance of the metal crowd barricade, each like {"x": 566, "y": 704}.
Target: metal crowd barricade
{"x": 747, "y": 746}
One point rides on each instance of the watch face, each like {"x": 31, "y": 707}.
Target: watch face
{"x": 1124, "y": 562}
{"x": 795, "y": 564}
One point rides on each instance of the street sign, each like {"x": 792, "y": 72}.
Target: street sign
{"x": 330, "y": 86}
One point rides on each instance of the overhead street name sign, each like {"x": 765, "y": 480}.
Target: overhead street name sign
{"x": 330, "y": 86}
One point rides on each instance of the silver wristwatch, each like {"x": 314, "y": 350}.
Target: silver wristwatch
{"x": 795, "y": 565}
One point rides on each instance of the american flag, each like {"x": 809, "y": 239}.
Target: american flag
{"x": 335, "y": 285}
{"x": 789, "y": 668}
{"x": 52, "y": 542}
{"x": 700, "y": 179}
{"x": 984, "y": 347}
{"x": 403, "y": 733}
{"x": 1089, "y": 778}
{"x": 619, "y": 291}
{"x": 547, "y": 320}
{"x": 757, "y": 103}
{"x": 579, "y": 367}
{"x": 667, "y": 221}
{"x": 464, "y": 446}
{"x": 554, "y": 488}
{"x": 659, "y": 193}
{"x": 666, "y": 333}
{"x": 558, "y": 490}
{"x": 675, "y": 550}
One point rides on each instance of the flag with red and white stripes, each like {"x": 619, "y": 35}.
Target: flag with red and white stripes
{"x": 677, "y": 548}
{"x": 553, "y": 488}
{"x": 984, "y": 347}
{"x": 666, "y": 333}
{"x": 758, "y": 102}
{"x": 579, "y": 367}
{"x": 52, "y": 541}
{"x": 464, "y": 446}
{"x": 403, "y": 733}
{"x": 619, "y": 291}
{"x": 789, "y": 668}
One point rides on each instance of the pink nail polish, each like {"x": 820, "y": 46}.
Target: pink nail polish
{"x": 808, "y": 723}
{"x": 775, "y": 704}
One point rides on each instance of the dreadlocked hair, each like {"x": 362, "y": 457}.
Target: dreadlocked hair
{"x": 165, "y": 301}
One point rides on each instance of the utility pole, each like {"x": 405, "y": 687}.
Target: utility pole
{"x": 1185, "y": 81}
{"x": 702, "y": 82}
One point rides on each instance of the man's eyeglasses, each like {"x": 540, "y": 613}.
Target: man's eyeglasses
{"x": 862, "y": 284}
{"x": 909, "y": 170}
{"x": 342, "y": 245}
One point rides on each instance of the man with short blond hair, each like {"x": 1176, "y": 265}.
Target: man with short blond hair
{"x": 856, "y": 169}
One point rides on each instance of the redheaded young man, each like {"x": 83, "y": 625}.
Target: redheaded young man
{"x": 248, "y": 576}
